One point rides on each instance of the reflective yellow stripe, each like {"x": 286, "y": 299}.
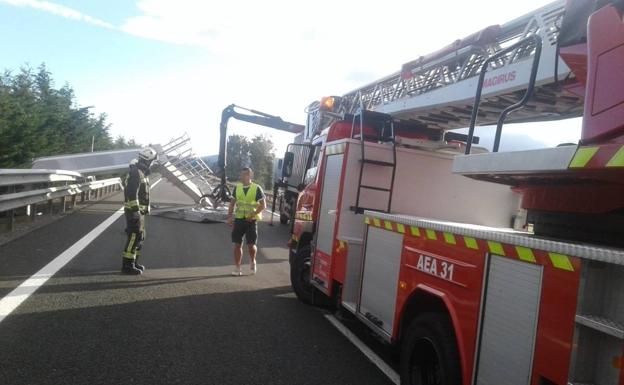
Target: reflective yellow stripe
{"x": 367, "y": 220}
{"x": 525, "y": 254}
{"x": 618, "y": 159}
{"x": 561, "y": 261}
{"x": 131, "y": 204}
{"x": 400, "y": 228}
{"x": 496, "y": 248}
{"x": 388, "y": 225}
{"x": 431, "y": 234}
{"x": 130, "y": 243}
{"x": 377, "y": 222}
{"x": 415, "y": 231}
{"x": 471, "y": 243}
{"x": 583, "y": 156}
{"x": 450, "y": 238}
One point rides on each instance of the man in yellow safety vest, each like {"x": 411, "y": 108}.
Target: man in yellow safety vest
{"x": 248, "y": 202}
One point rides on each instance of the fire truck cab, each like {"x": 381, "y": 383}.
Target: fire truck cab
{"x": 480, "y": 267}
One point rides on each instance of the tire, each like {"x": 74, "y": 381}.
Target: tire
{"x": 300, "y": 275}
{"x": 429, "y": 353}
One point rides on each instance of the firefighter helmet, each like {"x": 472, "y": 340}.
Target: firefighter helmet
{"x": 147, "y": 154}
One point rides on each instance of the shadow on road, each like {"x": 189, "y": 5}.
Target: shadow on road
{"x": 248, "y": 337}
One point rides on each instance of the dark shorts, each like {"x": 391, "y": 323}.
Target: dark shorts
{"x": 248, "y": 229}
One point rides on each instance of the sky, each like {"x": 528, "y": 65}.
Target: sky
{"x": 160, "y": 68}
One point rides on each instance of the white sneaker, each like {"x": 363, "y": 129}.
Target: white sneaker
{"x": 237, "y": 272}
{"x": 253, "y": 268}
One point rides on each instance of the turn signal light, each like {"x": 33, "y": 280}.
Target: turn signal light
{"x": 327, "y": 103}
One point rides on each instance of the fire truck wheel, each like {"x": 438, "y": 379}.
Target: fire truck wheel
{"x": 429, "y": 352}
{"x": 300, "y": 275}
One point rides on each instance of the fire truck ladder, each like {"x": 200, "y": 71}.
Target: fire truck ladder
{"x": 383, "y": 125}
{"x": 438, "y": 89}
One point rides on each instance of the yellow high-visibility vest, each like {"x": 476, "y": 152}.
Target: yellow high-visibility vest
{"x": 246, "y": 204}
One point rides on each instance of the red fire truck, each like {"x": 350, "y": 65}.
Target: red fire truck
{"x": 482, "y": 267}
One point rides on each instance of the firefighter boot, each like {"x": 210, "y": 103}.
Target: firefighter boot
{"x": 128, "y": 267}
{"x": 137, "y": 265}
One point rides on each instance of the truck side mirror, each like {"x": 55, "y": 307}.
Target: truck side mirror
{"x": 289, "y": 160}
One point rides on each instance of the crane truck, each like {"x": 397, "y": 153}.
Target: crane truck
{"x": 298, "y": 157}
{"x": 479, "y": 266}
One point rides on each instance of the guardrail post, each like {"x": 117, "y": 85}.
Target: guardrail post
{"x": 10, "y": 220}
{"x": 73, "y": 201}
{"x": 33, "y": 212}
{"x": 63, "y": 201}
{"x": 82, "y": 197}
{"x": 50, "y": 206}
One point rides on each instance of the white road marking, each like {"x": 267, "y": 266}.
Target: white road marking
{"x": 155, "y": 183}
{"x": 21, "y": 293}
{"x": 272, "y": 212}
{"x": 375, "y": 359}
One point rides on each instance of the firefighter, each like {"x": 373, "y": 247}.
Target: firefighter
{"x": 136, "y": 206}
{"x": 249, "y": 201}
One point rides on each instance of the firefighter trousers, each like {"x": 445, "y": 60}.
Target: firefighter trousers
{"x": 135, "y": 229}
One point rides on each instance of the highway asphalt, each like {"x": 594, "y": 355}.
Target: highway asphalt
{"x": 185, "y": 321}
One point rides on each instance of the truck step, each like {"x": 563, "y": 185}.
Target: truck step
{"x": 601, "y": 324}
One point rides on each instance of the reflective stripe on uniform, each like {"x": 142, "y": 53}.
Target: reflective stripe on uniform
{"x": 131, "y": 204}
{"x": 130, "y": 244}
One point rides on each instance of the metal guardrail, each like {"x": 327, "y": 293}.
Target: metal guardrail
{"x": 24, "y": 188}
{"x": 25, "y": 198}
{"x": 12, "y": 177}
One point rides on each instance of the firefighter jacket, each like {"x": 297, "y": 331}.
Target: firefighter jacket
{"x": 136, "y": 191}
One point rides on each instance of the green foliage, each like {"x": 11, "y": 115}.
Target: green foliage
{"x": 257, "y": 153}
{"x": 37, "y": 119}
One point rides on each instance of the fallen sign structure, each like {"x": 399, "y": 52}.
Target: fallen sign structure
{"x": 176, "y": 163}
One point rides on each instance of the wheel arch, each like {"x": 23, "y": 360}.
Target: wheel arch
{"x": 424, "y": 299}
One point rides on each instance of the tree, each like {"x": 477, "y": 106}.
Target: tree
{"x": 257, "y": 153}
{"x": 37, "y": 119}
{"x": 261, "y": 155}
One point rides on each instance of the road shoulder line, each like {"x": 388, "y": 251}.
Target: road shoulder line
{"x": 21, "y": 293}
{"x": 374, "y": 358}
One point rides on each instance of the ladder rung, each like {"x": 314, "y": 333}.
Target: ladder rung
{"x": 375, "y": 188}
{"x": 378, "y": 162}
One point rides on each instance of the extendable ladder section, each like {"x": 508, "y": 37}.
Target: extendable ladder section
{"x": 383, "y": 126}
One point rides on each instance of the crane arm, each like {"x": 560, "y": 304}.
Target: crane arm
{"x": 222, "y": 193}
